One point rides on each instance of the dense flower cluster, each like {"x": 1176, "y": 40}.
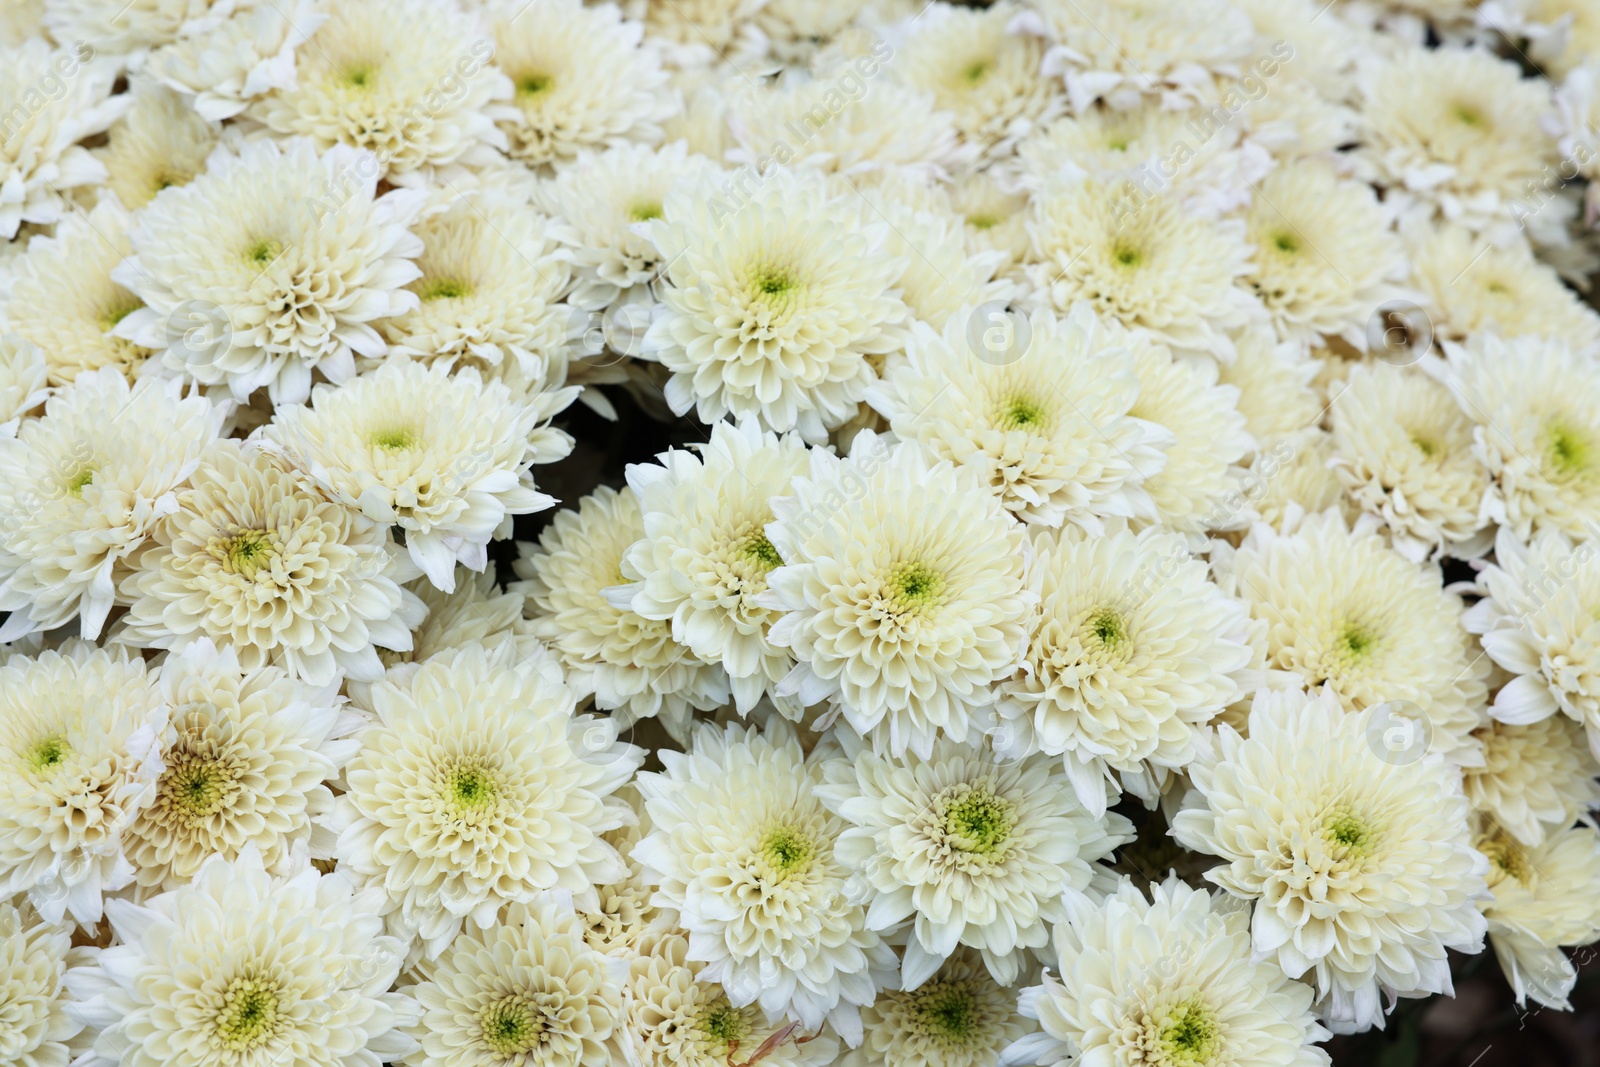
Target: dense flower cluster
{"x": 1117, "y": 583}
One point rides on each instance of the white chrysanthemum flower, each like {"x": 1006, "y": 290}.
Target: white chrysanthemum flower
{"x": 1536, "y": 406}
{"x": 240, "y": 967}
{"x": 299, "y": 257}
{"x": 1537, "y": 622}
{"x": 839, "y": 124}
{"x": 245, "y": 767}
{"x": 476, "y": 786}
{"x": 1207, "y": 435}
{"x": 703, "y": 556}
{"x": 1274, "y": 379}
{"x": 1535, "y": 779}
{"x": 526, "y": 990}
{"x": 742, "y": 850}
{"x": 775, "y": 304}
{"x": 254, "y": 560}
{"x": 903, "y": 584}
{"x": 628, "y": 663}
{"x": 81, "y": 732}
{"x": 24, "y": 375}
{"x": 942, "y": 276}
{"x": 35, "y": 1028}
{"x": 1148, "y": 151}
{"x": 1474, "y": 287}
{"x": 1133, "y": 651}
{"x": 605, "y": 197}
{"x": 1325, "y": 52}
{"x": 996, "y": 218}
{"x": 1325, "y": 258}
{"x": 624, "y": 917}
{"x": 160, "y": 142}
{"x": 1291, "y": 120}
{"x": 1405, "y": 453}
{"x": 1544, "y": 900}
{"x": 1456, "y": 131}
{"x": 1121, "y": 50}
{"x": 493, "y": 271}
{"x": 1042, "y": 417}
{"x": 679, "y": 1020}
{"x": 975, "y": 851}
{"x": 1571, "y": 33}
{"x": 551, "y": 50}
{"x": 1345, "y": 610}
{"x": 118, "y": 27}
{"x": 986, "y": 78}
{"x": 59, "y": 295}
{"x": 82, "y": 487}
{"x": 446, "y": 457}
{"x": 703, "y": 30}
{"x": 1295, "y": 479}
{"x": 476, "y": 613}
{"x": 408, "y": 80}
{"x": 1169, "y": 982}
{"x": 1362, "y": 869}
{"x": 235, "y": 54}
{"x": 961, "y": 1017}
{"x": 51, "y": 98}
{"x": 1142, "y": 261}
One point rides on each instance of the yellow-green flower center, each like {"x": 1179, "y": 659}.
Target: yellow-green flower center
{"x": 1286, "y": 242}
{"x": 533, "y": 84}
{"x": 361, "y": 77}
{"x": 1190, "y": 1036}
{"x": 1355, "y": 642}
{"x": 978, "y": 822}
{"x": 247, "y": 551}
{"x": 946, "y": 1011}
{"x": 396, "y": 439}
{"x": 511, "y": 1025}
{"x": 1021, "y": 413}
{"x": 1569, "y": 449}
{"x": 76, "y": 483}
{"x": 1352, "y": 834}
{"x": 723, "y": 1023}
{"x": 982, "y": 222}
{"x": 1127, "y": 255}
{"x": 1108, "y": 627}
{"x": 645, "y": 210}
{"x": 445, "y": 289}
{"x": 1468, "y": 115}
{"x": 109, "y": 320}
{"x": 773, "y": 283}
{"x": 974, "y": 72}
{"x": 1506, "y": 860}
{"x": 48, "y": 753}
{"x": 249, "y": 1015}
{"x": 470, "y": 788}
{"x": 197, "y": 787}
{"x": 757, "y": 547}
{"x": 263, "y": 251}
{"x": 787, "y": 850}
{"x": 916, "y": 587}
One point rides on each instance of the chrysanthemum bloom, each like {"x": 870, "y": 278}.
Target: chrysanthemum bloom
{"x": 776, "y": 302}
{"x": 493, "y": 270}
{"x": 961, "y": 1017}
{"x": 831, "y": 124}
{"x": 1535, "y": 779}
{"x": 1325, "y": 258}
{"x": 224, "y": 61}
{"x": 1120, "y": 50}
{"x": 996, "y": 218}
{"x": 525, "y": 990}
{"x": 1141, "y": 260}
{"x": 81, "y": 732}
{"x": 1173, "y": 982}
{"x": 624, "y": 917}
{"x": 1041, "y": 416}
{"x": 985, "y": 77}
{"x": 59, "y": 295}
{"x": 1536, "y": 405}
{"x": 1274, "y": 379}
{"x": 702, "y": 30}
{"x": 904, "y": 590}
{"x": 942, "y": 277}
{"x": 1135, "y": 149}
{"x": 23, "y": 380}
{"x": 1345, "y": 610}
{"x": 245, "y": 766}
{"x": 51, "y": 98}
{"x": 679, "y": 1020}
{"x": 742, "y": 851}
{"x": 1292, "y": 121}
{"x": 975, "y": 851}
{"x": 408, "y": 80}
{"x": 1405, "y": 453}
{"x": 1536, "y": 621}
{"x": 628, "y": 663}
{"x": 81, "y": 489}
{"x": 1458, "y": 131}
{"x": 1473, "y": 286}
{"x": 159, "y": 142}
{"x": 1544, "y": 900}
{"x": 240, "y": 967}
{"x": 475, "y": 787}
{"x": 551, "y": 49}
{"x": 446, "y": 457}
{"x": 35, "y": 1029}
{"x": 1571, "y": 34}
{"x": 117, "y": 27}
{"x": 1133, "y": 651}
{"x": 606, "y": 197}
{"x": 703, "y": 556}
{"x": 1362, "y": 870}
{"x": 1300, "y": 482}
{"x": 1325, "y": 53}
{"x": 298, "y": 258}
{"x": 476, "y": 613}
{"x": 1207, "y": 438}
{"x": 254, "y": 560}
